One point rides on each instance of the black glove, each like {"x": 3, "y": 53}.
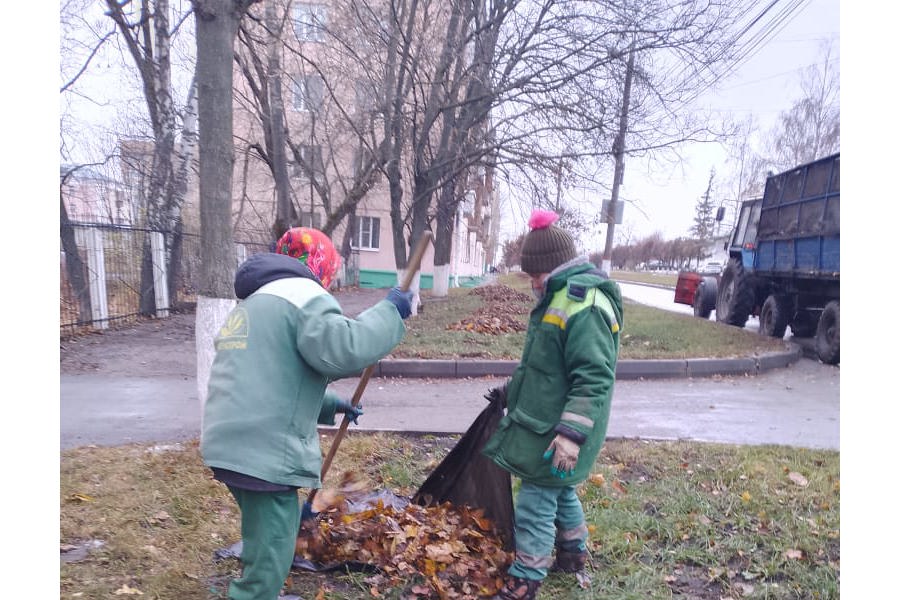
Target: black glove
{"x": 402, "y": 300}
{"x": 352, "y": 412}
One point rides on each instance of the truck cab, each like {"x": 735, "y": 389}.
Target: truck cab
{"x": 783, "y": 261}
{"x": 741, "y": 244}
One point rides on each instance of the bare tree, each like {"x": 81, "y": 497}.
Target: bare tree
{"x": 148, "y": 33}
{"x": 469, "y": 89}
{"x": 76, "y": 269}
{"x": 811, "y": 128}
{"x": 217, "y": 23}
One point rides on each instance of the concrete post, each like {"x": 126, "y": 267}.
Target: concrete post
{"x": 160, "y": 280}
{"x": 91, "y": 238}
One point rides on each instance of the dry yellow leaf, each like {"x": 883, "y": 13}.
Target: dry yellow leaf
{"x": 598, "y": 479}
{"x": 128, "y": 590}
{"x": 798, "y": 479}
{"x": 746, "y": 497}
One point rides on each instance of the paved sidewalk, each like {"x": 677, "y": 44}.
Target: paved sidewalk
{"x": 797, "y": 406}
{"x": 778, "y": 399}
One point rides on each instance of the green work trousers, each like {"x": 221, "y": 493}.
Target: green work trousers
{"x": 542, "y": 513}
{"x": 269, "y": 525}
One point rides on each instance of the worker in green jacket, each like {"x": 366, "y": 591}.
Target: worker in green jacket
{"x": 558, "y": 402}
{"x": 279, "y": 348}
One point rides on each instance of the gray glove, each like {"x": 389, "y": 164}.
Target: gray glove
{"x": 402, "y": 300}
{"x": 564, "y": 454}
{"x": 352, "y": 412}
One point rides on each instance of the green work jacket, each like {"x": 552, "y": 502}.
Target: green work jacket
{"x": 276, "y": 353}
{"x": 565, "y": 376}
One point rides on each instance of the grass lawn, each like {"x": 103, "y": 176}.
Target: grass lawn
{"x": 444, "y": 329}
{"x": 666, "y": 519}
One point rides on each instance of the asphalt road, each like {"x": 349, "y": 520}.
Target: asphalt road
{"x": 796, "y": 406}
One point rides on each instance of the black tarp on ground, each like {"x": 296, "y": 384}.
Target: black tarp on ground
{"x": 467, "y": 477}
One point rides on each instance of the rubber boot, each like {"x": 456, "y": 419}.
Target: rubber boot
{"x": 517, "y": 588}
{"x": 569, "y": 562}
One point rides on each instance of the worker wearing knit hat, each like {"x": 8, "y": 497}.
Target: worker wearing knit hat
{"x": 557, "y": 402}
{"x": 546, "y": 247}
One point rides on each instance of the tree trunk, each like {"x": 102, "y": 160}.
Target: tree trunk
{"x": 76, "y": 270}
{"x": 443, "y": 239}
{"x": 284, "y": 207}
{"x": 186, "y": 150}
{"x": 217, "y": 23}
{"x": 147, "y": 297}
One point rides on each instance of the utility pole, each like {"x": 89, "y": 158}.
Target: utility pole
{"x": 619, "y": 154}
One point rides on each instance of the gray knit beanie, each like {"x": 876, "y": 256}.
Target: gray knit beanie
{"x": 545, "y": 247}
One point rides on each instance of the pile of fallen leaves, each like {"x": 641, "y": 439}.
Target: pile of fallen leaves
{"x": 451, "y": 552}
{"x": 500, "y": 314}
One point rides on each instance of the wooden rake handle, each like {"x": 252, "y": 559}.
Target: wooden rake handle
{"x": 415, "y": 261}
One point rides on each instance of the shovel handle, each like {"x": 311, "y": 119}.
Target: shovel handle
{"x": 415, "y": 261}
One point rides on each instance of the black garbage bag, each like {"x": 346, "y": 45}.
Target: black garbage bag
{"x": 466, "y": 477}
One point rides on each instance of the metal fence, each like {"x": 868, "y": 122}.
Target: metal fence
{"x": 103, "y": 284}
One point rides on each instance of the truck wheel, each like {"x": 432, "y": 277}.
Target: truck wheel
{"x": 735, "y": 301}
{"x": 705, "y": 297}
{"x": 828, "y": 334}
{"x": 774, "y": 316}
{"x": 804, "y": 324}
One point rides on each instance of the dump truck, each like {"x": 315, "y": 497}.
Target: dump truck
{"x": 783, "y": 261}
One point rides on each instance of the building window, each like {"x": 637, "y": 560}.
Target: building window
{"x": 366, "y": 233}
{"x": 308, "y": 92}
{"x": 310, "y": 165}
{"x": 309, "y": 22}
{"x": 313, "y": 220}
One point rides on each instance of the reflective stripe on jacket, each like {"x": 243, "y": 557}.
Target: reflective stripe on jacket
{"x": 275, "y": 355}
{"x": 565, "y": 376}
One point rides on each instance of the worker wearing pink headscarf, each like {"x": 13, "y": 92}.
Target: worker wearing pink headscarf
{"x": 279, "y": 348}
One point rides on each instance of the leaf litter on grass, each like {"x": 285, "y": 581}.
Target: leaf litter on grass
{"x": 453, "y": 551}
{"x": 501, "y": 313}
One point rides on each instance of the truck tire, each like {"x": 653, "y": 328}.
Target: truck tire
{"x": 705, "y": 297}
{"x": 828, "y": 334}
{"x": 774, "y": 316}
{"x": 804, "y": 324}
{"x": 735, "y": 300}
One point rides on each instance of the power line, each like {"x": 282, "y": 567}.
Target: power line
{"x": 755, "y": 43}
{"x": 763, "y": 36}
{"x": 815, "y": 64}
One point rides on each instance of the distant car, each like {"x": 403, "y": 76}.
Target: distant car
{"x": 711, "y": 268}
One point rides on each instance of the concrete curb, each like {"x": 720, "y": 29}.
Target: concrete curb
{"x": 625, "y": 370}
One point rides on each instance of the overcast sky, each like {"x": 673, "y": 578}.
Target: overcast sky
{"x": 662, "y": 199}
{"x": 767, "y": 83}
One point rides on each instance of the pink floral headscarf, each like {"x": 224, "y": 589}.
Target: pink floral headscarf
{"x": 312, "y": 248}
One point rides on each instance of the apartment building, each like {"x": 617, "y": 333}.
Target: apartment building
{"x": 330, "y": 99}
{"x": 92, "y": 196}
